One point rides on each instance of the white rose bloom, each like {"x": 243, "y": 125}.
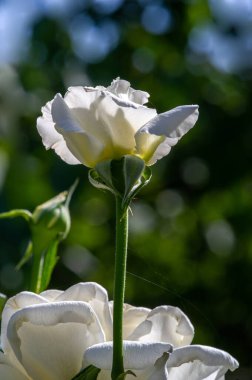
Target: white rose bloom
{"x": 53, "y": 335}
{"x": 89, "y": 125}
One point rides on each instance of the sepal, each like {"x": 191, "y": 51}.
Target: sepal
{"x": 26, "y": 257}
{"x": 123, "y": 177}
{"x": 89, "y": 373}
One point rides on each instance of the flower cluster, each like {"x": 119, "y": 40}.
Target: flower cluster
{"x": 53, "y": 335}
{"x": 92, "y": 124}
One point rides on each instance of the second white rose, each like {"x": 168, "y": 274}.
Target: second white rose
{"x": 53, "y": 335}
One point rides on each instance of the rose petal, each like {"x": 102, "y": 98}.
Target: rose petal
{"x": 49, "y": 339}
{"x": 51, "y": 294}
{"x": 51, "y": 138}
{"x": 165, "y": 324}
{"x": 155, "y": 139}
{"x": 84, "y": 146}
{"x": 107, "y": 118}
{"x": 132, "y": 317}
{"x": 8, "y": 372}
{"x": 174, "y": 123}
{"x": 94, "y": 134}
{"x": 199, "y": 363}
{"x": 162, "y": 150}
{"x": 122, "y": 89}
{"x": 11, "y": 369}
{"x": 97, "y": 297}
{"x": 158, "y": 371}
{"x": 147, "y": 145}
{"x": 137, "y": 356}
{"x": 14, "y": 304}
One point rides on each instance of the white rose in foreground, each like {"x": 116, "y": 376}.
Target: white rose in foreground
{"x": 90, "y": 125}
{"x": 52, "y": 336}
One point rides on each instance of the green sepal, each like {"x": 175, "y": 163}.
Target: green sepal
{"x": 123, "y": 375}
{"x": 49, "y": 262}
{"x": 144, "y": 180}
{"x": 27, "y": 255}
{"x": 52, "y": 218}
{"x": 27, "y": 215}
{"x": 97, "y": 182}
{"x": 89, "y": 373}
{"x": 123, "y": 177}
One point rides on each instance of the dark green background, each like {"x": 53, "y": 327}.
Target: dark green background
{"x": 190, "y": 242}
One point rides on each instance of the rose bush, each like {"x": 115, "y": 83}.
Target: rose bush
{"x": 53, "y": 335}
{"x": 90, "y": 125}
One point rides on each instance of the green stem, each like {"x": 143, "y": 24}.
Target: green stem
{"x": 36, "y": 273}
{"x": 119, "y": 287}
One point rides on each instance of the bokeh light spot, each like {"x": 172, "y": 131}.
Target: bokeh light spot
{"x": 220, "y": 237}
{"x": 143, "y": 60}
{"x": 156, "y": 19}
{"x": 169, "y": 203}
{"x": 144, "y": 218}
{"x": 195, "y": 172}
{"x": 79, "y": 260}
{"x": 106, "y": 6}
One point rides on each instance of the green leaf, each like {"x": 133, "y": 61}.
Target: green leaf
{"x": 89, "y": 373}
{"x": 123, "y": 375}
{"x": 16, "y": 213}
{"x": 3, "y": 299}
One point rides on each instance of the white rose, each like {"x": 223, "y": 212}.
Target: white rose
{"x": 90, "y": 125}
{"x": 53, "y": 335}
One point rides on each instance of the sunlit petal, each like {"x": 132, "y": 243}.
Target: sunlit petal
{"x": 165, "y": 324}
{"x": 199, "y": 363}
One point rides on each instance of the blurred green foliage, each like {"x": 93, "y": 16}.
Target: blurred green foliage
{"x": 190, "y": 231}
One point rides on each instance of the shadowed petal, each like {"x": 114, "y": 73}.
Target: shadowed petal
{"x": 137, "y": 356}
{"x": 14, "y": 304}
{"x": 8, "y": 372}
{"x": 49, "y": 339}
